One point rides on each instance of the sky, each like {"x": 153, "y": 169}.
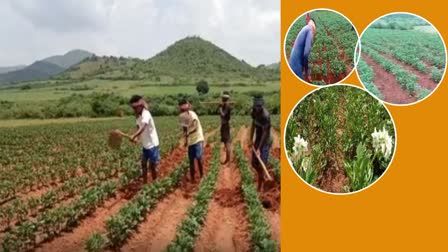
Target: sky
{"x": 35, "y": 29}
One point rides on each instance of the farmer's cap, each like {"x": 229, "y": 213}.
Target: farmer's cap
{"x": 225, "y": 94}
{"x": 258, "y": 101}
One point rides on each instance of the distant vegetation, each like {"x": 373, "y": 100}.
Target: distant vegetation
{"x": 399, "y": 22}
{"x": 109, "y": 104}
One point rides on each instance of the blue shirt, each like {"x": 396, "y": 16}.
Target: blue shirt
{"x": 301, "y": 51}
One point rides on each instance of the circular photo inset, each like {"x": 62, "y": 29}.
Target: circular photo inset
{"x": 320, "y": 47}
{"x": 403, "y": 58}
{"x": 340, "y": 139}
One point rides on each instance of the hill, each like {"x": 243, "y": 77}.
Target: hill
{"x": 40, "y": 70}
{"x": 11, "y": 69}
{"x": 46, "y": 68}
{"x": 187, "y": 60}
{"x": 69, "y": 59}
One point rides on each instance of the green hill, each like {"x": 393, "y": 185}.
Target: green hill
{"x": 40, "y": 70}
{"x": 69, "y": 59}
{"x": 46, "y": 68}
{"x": 187, "y": 60}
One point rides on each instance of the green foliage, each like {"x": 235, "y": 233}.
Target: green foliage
{"x": 96, "y": 243}
{"x": 366, "y": 76}
{"x": 436, "y": 74}
{"x": 202, "y": 87}
{"x": 360, "y": 170}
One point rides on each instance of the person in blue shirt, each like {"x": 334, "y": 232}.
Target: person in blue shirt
{"x": 301, "y": 49}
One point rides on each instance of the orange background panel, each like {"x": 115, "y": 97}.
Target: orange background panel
{"x": 406, "y": 210}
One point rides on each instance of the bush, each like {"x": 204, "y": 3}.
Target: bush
{"x": 202, "y": 87}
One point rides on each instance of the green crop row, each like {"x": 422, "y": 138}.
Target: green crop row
{"x": 366, "y": 75}
{"x": 410, "y": 46}
{"x": 404, "y": 78}
{"x": 51, "y": 223}
{"x": 275, "y": 164}
{"x": 121, "y": 225}
{"x": 260, "y": 230}
{"x": 19, "y": 209}
{"x": 191, "y": 226}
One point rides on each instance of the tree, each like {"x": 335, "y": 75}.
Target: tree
{"x": 202, "y": 87}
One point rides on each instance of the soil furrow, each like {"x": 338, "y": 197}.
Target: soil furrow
{"x": 226, "y": 227}
{"x": 387, "y": 84}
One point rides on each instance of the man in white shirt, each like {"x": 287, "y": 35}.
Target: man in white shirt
{"x": 146, "y": 131}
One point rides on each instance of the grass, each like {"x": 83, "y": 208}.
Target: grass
{"x": 125, "y": 87}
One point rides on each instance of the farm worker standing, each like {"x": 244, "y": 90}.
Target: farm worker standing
{"x": 301, "y": 49}
{"x": 146, "y": 131}
{"x": 261, "y": 126}
{"x": 194, "y": 137}
{"x": 224, "y": 113}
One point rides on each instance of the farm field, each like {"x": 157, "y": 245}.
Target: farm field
{"x": 331, "y": 57}
{"x": 402, "y": 61}
{"x": 332, "y": 139}
{"x": 67, "y": 191}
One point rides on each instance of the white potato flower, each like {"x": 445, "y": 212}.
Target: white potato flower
{"x": 382, "y": 142}
{"x": 300, "y": 146}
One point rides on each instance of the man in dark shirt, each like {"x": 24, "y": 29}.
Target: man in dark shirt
{"x": 261, "y": 126}
{"x": 224, "y": 113}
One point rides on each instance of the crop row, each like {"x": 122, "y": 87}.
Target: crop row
{"x": 366, "y": 75}
{"x": 51, "y": 223}
{"x": 260, "y": 230}
{"x": 409, "y": 46}
{"x": 406, "y": 79}
{"x": 121, "y": 225}
{"x": 190, "y": 227}
{"x": 275, "y": 164}
{"x": 56, "y": 153}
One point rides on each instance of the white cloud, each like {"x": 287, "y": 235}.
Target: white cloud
{"x": 248, "y": 29}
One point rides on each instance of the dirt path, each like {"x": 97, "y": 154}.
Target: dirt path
{"x": 75, "y": 240}
{"x": 334, "y": 178}
{"x": 226, "y": 227}
{"x": 423, "y": 79}
{"x": 269, "y": 194}
{"x": 388, "y": 85}
{"x": 159, "y": 227}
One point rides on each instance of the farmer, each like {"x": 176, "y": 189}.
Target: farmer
{"x": 146, "y": 131}
{"x": 261, "y": 126}
{"x": 194, "y": 138}
{"x": 301, "y": 49}
{"x": 224, "y": 113}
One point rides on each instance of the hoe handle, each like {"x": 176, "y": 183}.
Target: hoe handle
{"x": 262, "y": 164}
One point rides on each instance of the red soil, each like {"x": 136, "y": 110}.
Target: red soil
{"x": 226, "y": 227}
{"x": 387, "y": 84}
